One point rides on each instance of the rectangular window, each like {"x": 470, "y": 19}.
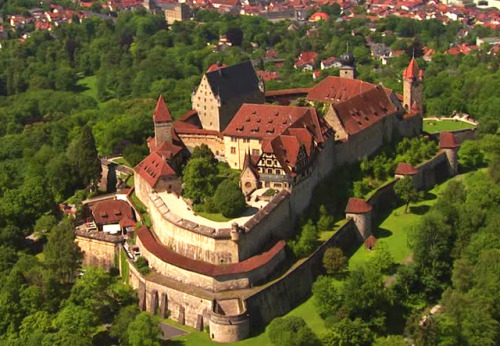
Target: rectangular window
{"x": 255, "y": 152}
{"x": 233, "y": 139}
{"x": 233, "y": 150}
{"x": 278, "y": 171}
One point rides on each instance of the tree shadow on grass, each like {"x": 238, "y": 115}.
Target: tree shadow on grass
{"x": 420, "y": 210}
{"x": 382, "y": 233}
{"x": 429, "y": 196}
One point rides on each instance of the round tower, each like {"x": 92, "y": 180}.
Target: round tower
{"x": 360, "y": 212}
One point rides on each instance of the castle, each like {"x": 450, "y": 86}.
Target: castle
{"x": 216, "y": 274}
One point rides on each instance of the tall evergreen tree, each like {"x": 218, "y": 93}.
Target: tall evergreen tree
{"x": 87, "y": 161}
{"x": 62, "y": 255}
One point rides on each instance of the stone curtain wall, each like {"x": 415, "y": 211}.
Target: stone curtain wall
{"x": 281, "y": 296}
{"x": 460, "y": 135}
{"x": 98, "y": 252}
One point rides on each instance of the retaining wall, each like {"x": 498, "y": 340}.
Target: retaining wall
{"x": 284, "y": 294}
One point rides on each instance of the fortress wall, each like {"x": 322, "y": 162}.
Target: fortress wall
{"x": 383, "y": 199}
{"x": 266, "y": 230}
{"x": 215, "y": 143}
{"x": 142, "y": 188}
{"x": 229, "y": 328}
{"x": 190, "y": 243}
{"x": 183, "y": 307}
{"x": 98, "y": 253}
{"x": 460, "y": 135}
{"x": 432, "y": 172}
{"x": 284, "y": 294}
{"x": 177, "y": 273}
{"x": 240, "y": 280}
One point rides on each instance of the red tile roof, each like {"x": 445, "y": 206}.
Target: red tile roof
{"x": 406, "y": 169}
{"x": 111, "y": 212}
{"x": 319, "y": 16}
{"x": 364, "y": 110}
{"x": 153, "y": 167}
{"x": 127, "y": 222}
{"x": 161, "y": 113}
{"x": 209, "y": 269}
{"x": 166, "y": 149}
{"x": 336, "y": 89}
{"x": 357, "y": 206}
{"x": 412, "y": 71}
{"x": 447, "y": 140}
{"x": 215, "y": 67}
{"x": 306, "y": 58}
{"x": 264, "y": 120}
{"x": 285, "y": 92}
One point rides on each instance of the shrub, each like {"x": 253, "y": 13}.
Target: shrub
{"x": 229, "y": 199}
{"x": 291, "y": 330}
{"x": 334, "y": 260}
{"x": 305, "y": 243}
{"x": 142, "y": 265}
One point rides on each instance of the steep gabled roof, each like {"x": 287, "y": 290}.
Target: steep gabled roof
{"x": 364, "y": 110}
{"x": 233, "y": 81}
{"x": 412, "y": 71}
{"x": 261, "y": 121}
{"x": 161, "y": 113}
{"x": 154, "y": 167}
{"x": 336, "y": 89}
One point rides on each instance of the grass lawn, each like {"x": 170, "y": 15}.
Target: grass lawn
{"x": 122, "y": 161}
{"x": 141, "y": 208}
{"x": 130, "y": 181}
{"x": 394, "y": 229}
{"x": 217, "y": 217}
{"x": 432, "y": 126}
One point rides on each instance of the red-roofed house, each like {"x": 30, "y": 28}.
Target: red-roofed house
{"x": 330, "y": 62}
{"x": 306, "y": 61}
{"x": 316, "y": 17}
{"x": 283, "y": 139}
{"x": 113, "y": 216}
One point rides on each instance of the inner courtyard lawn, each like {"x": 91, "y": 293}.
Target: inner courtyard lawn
{"x": 432, "y": 126}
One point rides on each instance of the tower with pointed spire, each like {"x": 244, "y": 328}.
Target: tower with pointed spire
{"x": 162, "y": 122}
{"x": 413, "y": 79}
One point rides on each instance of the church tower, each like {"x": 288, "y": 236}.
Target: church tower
{"x": 162, "y": 122}
{"x": 413, "y": 79}
{"x": 348, "y": 69}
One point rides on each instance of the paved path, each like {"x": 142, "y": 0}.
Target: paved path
{"x": 170, "y": 331}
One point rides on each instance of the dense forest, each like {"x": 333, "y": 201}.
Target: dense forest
{"x": 88, "y": 88}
